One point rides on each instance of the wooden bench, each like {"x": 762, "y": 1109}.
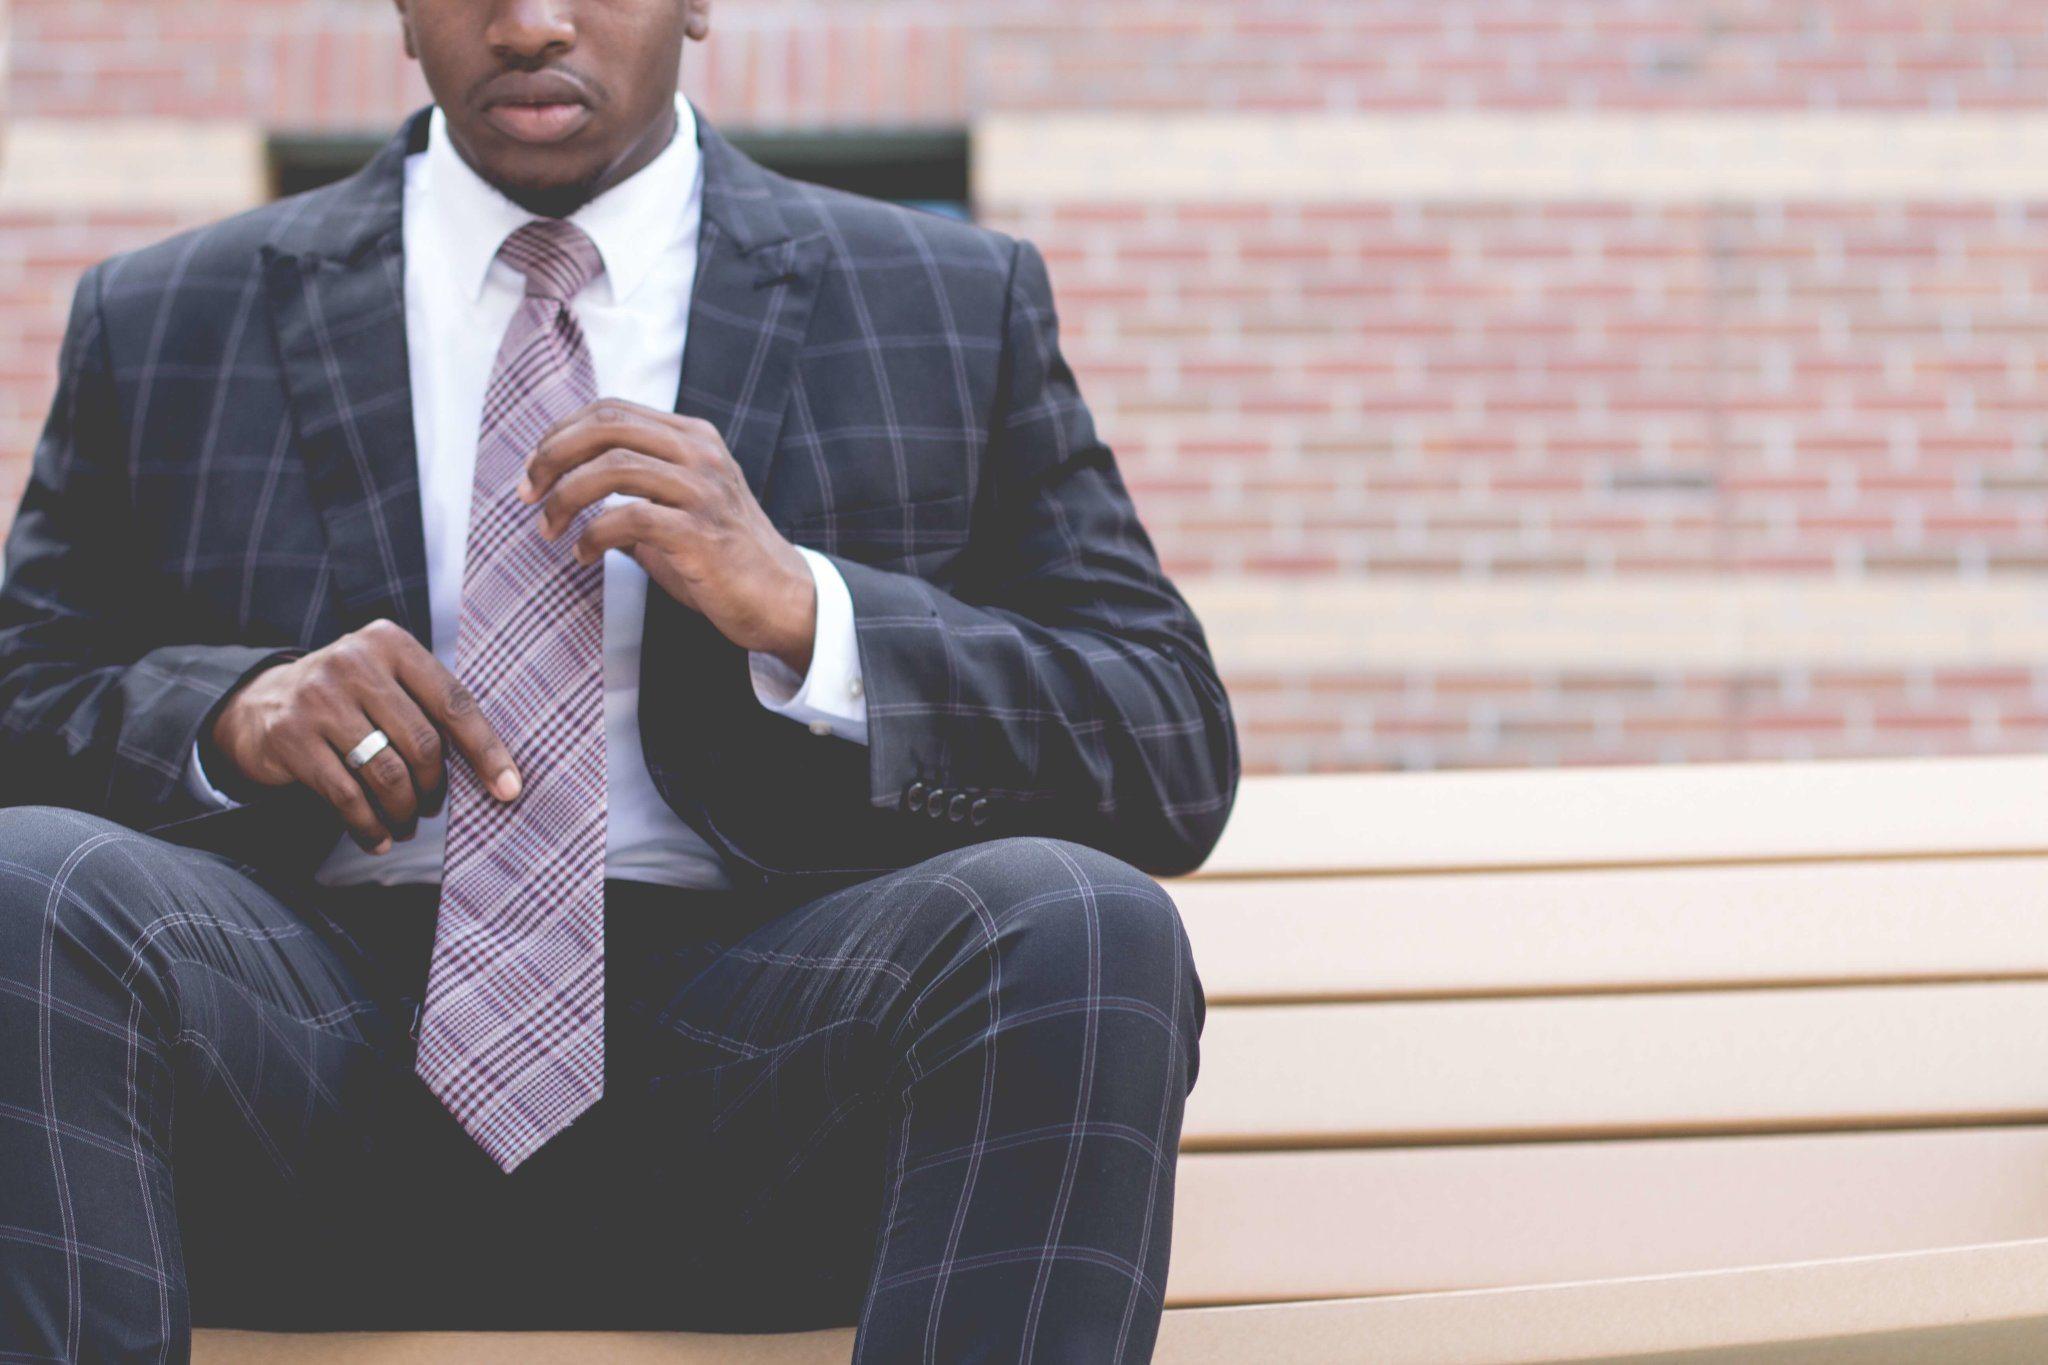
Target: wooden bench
{"x": 1700, "y": 1063}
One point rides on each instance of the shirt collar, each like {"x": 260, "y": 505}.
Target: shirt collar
{"x": 631, "y": 223}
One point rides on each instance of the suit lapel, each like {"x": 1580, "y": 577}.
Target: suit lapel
{"x": 336, "y": 292}
{"x": 750, "y": 309}
{"x": 749, "y": 313}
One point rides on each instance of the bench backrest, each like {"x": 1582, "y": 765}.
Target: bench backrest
{"x": 1474, "y": 1029}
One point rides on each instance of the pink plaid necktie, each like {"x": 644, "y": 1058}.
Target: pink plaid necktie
{"x": 512, "y": 1037}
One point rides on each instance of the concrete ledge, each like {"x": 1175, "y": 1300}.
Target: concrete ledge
{"x": 1650, "y": 624}
{"x": 78, "y": 165}
{"x": 1630, "y": 157}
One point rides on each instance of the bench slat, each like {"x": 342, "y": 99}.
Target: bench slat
{"x": 1505, "y": 932}
{"x": 1709, "y": 812}
{"x": 1985, "y": 1305}
{"x": 1295, "y": 1225}
{"x": 1340, "y": 1075}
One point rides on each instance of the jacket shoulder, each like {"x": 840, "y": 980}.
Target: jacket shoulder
{"x": 872, "y": 229}
{"x": 224, "y": 254}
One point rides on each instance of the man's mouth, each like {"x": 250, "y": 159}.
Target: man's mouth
{"x": 542, "y": 121}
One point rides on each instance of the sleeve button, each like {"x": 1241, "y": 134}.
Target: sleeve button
{"x": 935, "y": 804}
{"x": 913, "y": 798}
{"x": 956, "y": 809}
{"x": 977, "y": 814}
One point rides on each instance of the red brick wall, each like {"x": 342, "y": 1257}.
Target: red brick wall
{"x": 1493, "y": 392}
{"x": 1405, "y": 55}
{"x": 334, "y": 63}
{"x": 1569, "y": 388}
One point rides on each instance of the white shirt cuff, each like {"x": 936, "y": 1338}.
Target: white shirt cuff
{"x": 196, "y": 782}
{"x": 829, "y": 698}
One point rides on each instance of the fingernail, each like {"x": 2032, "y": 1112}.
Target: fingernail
{"x": 507, "y": 785}
{"x": 383, "y": 847}
{"x": 525, "y": 490}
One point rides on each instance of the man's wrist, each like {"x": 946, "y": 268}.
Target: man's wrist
{"x": 827, "y": 696}
{"x": 799, "y": 636}
{"x": 220, "y": 771}
{"x": 219, "y": 768}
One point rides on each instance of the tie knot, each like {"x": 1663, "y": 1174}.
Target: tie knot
{"x": 557, "y": 257}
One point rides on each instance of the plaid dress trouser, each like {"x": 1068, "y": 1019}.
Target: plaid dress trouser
{"x": 943, "y": 1104}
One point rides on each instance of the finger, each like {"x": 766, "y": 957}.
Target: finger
{"x": 609, "y": 408}
{"x": 319, "y": 767}
{"x": 398, "y": 714}
{"x": 616, "y": 471}
{"x": 605, "y": 424}
{"x": 385, "y": 778}
{"x": 453, "y": 708}
{"x": 627, "y": 528}
{"x": 417, "y": 745}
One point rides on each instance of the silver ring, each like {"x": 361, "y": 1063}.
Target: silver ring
{"x": 374, "y": 743}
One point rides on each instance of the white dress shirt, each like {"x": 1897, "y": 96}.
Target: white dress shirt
{"x": 459, "y": 300}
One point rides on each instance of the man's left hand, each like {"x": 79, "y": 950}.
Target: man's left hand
{"x": 700, "y": 534}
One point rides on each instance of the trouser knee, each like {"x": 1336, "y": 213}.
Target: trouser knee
{"x": 95, "y": 916}
{"x": 1074, "y": 931}
{"x": 46, "y": 870}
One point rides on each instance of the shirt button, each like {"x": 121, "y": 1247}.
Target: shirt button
{"x": 853, "y": 689}
{"x": 821, "y": 728}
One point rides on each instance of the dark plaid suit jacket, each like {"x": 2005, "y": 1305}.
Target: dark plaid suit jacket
{"x": 228, "y": 471}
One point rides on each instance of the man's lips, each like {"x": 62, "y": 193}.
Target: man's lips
{"x": 528, "y": 122}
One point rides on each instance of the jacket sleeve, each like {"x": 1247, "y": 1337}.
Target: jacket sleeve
{"x": 1063, "y": 680}
{"x": 96, "y": 711}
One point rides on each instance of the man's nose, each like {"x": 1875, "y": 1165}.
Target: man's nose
{"x": 527, "y": 30}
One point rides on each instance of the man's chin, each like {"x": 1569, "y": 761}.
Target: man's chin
{"x": 549, "y": 198}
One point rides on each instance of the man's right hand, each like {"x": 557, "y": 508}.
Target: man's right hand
{"x": 293, "y": 723}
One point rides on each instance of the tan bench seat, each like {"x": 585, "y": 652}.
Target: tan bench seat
{"x": 1717, "y": 1048}
{"x": 1975, "y": 1304}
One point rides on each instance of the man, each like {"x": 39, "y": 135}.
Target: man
{"x": 704, "y": 604}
